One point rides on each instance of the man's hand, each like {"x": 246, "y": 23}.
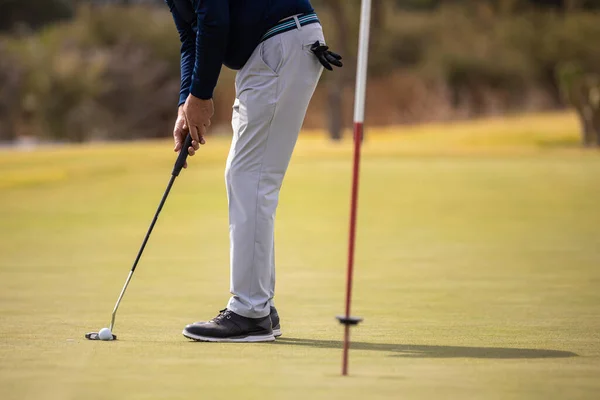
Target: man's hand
{"x": 197, "y": 113}
{"x": 326, "y": 57}
{"x": 180, "y": 131}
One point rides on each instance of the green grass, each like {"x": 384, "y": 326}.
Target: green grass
{"x": 478, "y": 270}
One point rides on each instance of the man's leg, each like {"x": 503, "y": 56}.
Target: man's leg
{"x": 273, "y": 312}
{"x": 273, "y": 92}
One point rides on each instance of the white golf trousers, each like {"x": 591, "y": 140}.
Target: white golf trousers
{"x": 272, "y": 95}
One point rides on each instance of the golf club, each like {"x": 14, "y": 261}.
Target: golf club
{"x": 181, "y": 158}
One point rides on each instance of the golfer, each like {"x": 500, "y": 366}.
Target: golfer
{"x": 278, "y": 48}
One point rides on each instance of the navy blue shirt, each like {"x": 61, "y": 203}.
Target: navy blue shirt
{"x": 217, "y": 32}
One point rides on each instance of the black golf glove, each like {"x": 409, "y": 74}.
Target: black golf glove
{"x": 326, "y": 57}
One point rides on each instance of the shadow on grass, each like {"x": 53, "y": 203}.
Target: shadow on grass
{"x": 426, "y": 351}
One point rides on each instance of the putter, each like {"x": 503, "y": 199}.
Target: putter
{"x": 181, "y": 158}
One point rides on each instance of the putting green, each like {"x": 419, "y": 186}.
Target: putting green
{"x": 477, "y": 273}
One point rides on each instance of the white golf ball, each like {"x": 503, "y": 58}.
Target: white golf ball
{"x": 105, "y": 334}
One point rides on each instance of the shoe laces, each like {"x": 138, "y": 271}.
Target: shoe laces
{"x": 223, "y": 314}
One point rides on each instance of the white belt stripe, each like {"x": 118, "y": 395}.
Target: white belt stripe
{"x": 292, "y": 23}
{"x": 289, "y": 25}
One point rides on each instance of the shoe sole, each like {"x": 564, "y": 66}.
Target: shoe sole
{"x": 238, "y": 339}
{"x": 276, "y": 332}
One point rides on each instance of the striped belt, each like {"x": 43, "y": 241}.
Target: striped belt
{"x": 291, "y": 24}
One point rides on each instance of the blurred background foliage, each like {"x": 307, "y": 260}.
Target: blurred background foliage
{"x": 98, "y": 70}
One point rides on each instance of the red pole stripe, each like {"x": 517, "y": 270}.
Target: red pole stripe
{"x": 358, "y": 134}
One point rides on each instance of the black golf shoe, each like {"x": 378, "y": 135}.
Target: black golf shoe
{"x": 231, "y": 327}
{"x": 275, "y": 322}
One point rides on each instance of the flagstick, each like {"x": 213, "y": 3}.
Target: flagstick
{"x": 359, "y": 118}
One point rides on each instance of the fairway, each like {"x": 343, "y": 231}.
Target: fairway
{"x": 477, "y": 270}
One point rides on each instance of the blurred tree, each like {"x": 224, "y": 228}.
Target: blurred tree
{"x": 10, "y": 82}
{"x": 558, "y": 4}
{"x": 567, "y": 5}
{"x": 582, "y": 91}
{"x": 438, "y": 61}
{"x": 124, "y": 2}
{"x": 345, "y": 16}
{"x": 508, "y": 6}
{"x": 575, "y": 5}
{"x": 502, "y": 6}
{"x": 378, "y": 19}
{"x": 32, "y": 14}
{"x": 418, "y": 4}
{"x": 338, "y": 82}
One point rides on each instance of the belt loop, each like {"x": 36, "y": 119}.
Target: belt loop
{"x": 297, "y": 22}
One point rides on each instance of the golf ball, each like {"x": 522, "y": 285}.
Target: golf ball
{"x": 105, "y": 334}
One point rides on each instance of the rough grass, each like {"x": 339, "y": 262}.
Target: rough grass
{"x": 477, "y": 270}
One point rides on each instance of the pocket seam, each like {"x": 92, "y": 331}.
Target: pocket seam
{"x": 264, "y": 62}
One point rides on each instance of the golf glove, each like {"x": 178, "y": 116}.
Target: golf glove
{"x": 326, "y": 57}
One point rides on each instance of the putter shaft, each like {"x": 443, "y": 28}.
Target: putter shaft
{"x": 139, "y": 254}
{"x": 179, "y": 164}
{"x": 114, "y": 313}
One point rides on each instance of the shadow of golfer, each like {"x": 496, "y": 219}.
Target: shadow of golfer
{"x": 427, "y": 351}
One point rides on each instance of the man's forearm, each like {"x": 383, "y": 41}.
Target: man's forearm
{"x": 188, "y": 60}
{"x": 187, "y": 36}
{"x": 211, "y": 44}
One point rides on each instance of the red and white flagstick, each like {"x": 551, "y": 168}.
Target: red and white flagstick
{"x": 359, "y": 118}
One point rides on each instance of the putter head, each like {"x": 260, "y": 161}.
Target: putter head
{"x": 94, "y": 336}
